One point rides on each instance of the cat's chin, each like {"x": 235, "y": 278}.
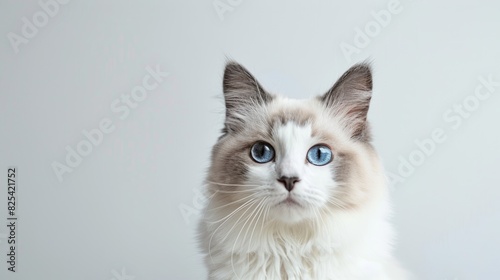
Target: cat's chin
{"x": 291, "y": 212}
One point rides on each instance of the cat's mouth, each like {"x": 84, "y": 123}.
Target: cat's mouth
{"x": 289, "y": 201}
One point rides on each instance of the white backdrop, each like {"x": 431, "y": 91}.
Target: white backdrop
{"x": 109, "y": 109}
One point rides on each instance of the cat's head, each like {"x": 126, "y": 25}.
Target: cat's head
{"x": 292, "y": 159}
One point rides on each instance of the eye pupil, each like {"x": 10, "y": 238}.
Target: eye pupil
{"x": 262, "y": 152}
{"x": 319, "y": 155}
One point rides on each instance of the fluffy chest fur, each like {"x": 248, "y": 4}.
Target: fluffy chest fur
{"x": 295, "y": 189}
{"x": 306, "y": 252}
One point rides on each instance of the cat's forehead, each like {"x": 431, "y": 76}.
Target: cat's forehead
{"x": 292, "y": 136}
{"x": 295, "y": 116}
{"x": 305, "y": 118}
{"x": 285, "y": 110}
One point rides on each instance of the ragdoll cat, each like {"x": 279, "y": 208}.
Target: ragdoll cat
{"x": 295, "y": 190}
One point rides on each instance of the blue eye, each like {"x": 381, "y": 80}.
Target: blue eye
{"x": 262, "y": 152}
{"x": 319, "y": 155}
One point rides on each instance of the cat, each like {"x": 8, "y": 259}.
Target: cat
{"x": 295, "y": 189}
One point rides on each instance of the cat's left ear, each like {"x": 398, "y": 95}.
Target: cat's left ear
{"x": 349, "y": 99}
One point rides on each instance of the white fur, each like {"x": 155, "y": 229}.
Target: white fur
{"x": 259, "y": 238}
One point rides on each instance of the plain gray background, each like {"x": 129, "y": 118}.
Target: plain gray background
{"x": 129, "y": 209}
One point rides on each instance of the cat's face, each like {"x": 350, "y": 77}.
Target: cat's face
{"x": 291, "y": 160}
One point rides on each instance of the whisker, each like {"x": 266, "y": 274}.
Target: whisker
{"x": 232, "y": 185}
{"x": 233, "y": 202}
{"x": 238, "y": 191}
{"x": 260, "y": 207}
{"x": 258, "y": 214}
{"x": 239, "y": 233}
{"x": 337, "y": 202}
{"x": 226, "y": 218}
{"x": 238, "y": 221}
{"x": 264, "y": 218}
{"x": 261, "y": 211}
{"x": 321, "y": 217}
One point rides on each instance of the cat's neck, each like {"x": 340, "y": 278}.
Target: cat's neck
{"x": 327, "y": 233}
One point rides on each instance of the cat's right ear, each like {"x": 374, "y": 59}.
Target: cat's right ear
{"x": 242, "y": 93}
